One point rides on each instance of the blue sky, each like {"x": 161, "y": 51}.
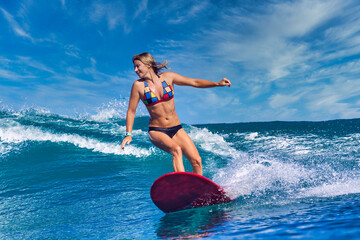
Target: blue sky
{"x": 287, "y": 60}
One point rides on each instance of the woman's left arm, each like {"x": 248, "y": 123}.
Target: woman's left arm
{"x": 199, "y": 83}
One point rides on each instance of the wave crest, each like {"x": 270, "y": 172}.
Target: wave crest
{"x": 13, "y": 132}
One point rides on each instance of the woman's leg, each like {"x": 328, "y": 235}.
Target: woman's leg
{"x": 189, "y": 150}
{"x": 164, "y": 142}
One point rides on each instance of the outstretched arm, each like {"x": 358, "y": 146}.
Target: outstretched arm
{"x": 199, "y": 83}
{"x": 130, "y": 116}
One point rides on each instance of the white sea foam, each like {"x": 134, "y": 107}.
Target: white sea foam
{"x": 297, "y": 145}
{"x": 257, "y": 175}
{"x": 13, "y": 132}
{"x": 121, "y": 130}
{"x": 5, "y": 148}
{"x": 214, "y": 143}
{"x": 105, "y": 114}
{"x": 245, "y": 174}
{"x": 115, "y": 109}
{"x": 35, "y": 110}
{"x": 303, "y": 145}
{"x": 259, "y": 172}
{"x": 332, "y": 189}
{"x": 252, "y": 136}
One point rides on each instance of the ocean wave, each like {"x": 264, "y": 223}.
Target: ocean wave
{"x": 250, "y": 163}
{"x": 256, "y": 175}
{"x": 214, "y": 143}
{"x": 301, "y": 145}
{"x": 5, "y": 149}
{"x": 244, "y": 173}
{"x": 115, "y": 109}
{"x": 260, "y": 174}
{"x": 333, "y": 189}
{"x": 283, "y": 164}
{"x": 13, "y": 132}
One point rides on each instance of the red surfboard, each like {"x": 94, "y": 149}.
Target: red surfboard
{"x": 182, "y": 190}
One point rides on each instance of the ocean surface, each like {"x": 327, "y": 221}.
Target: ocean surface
{"x": 67, "y": 178}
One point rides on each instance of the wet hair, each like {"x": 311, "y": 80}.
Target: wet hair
{"x": 147, "y": 59}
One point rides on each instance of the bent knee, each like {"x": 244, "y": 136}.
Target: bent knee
{"x": 176, "y": 150}
{"x": 196, "y": 162}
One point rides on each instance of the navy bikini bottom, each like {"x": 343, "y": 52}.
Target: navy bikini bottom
{"x": 168, "y": 131}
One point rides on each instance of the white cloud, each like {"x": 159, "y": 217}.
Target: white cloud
{"x": 10, "y": 75}
{"x": 285, "y": 58}
{"x": 142, "y": 7}
{"x": 272, "y": 41}
{"x": 280, "y": 100}
{"x": 9, "y": 69}
{"x": 113, "y": 13}
{"x": 35, "y": 64}
{"x": 213, "y": 99}
{"x": 187, "y": 15}
{"x": 21, "y": 68}
{"x": 18, "y": 30}
{"x": 285, "y": 49}
{"x": 72, "y": 50}
{"x": 335, "y": 93}
{"x": 168, "y": 43}
{"x": 297, "y": 18}
{"x": 326, "y": 100}
{"x": 346, "y": 31}
{"x": 349, "y": 69}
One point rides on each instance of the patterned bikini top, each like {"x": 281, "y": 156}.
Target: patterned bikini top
{"x": 151, "y": 99}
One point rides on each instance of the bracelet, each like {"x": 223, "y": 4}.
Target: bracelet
{"x": 128, "y": 134}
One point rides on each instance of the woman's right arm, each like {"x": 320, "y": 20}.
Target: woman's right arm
{"x": 130, "y": 116}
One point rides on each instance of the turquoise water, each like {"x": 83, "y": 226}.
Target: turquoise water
{"x": 67, "y": 178}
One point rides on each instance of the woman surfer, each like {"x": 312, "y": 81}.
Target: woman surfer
{"x": 155, "y": 89}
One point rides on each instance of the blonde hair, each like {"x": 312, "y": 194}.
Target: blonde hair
{"x": 147, "y": 59}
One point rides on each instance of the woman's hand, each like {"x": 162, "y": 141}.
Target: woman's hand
{"x": 127, "y": 140}
{"x": 225, "y": 82}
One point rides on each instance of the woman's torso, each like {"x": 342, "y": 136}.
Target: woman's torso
{"x": 162, "y": 110}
